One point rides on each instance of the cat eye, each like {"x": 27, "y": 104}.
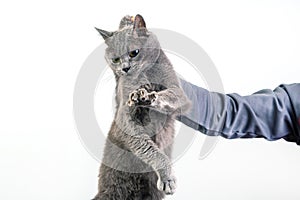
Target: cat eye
{"x": 133, "y": 53}
{"x": 115, "y": 60}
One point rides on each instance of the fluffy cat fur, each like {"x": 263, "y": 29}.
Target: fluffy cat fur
{"x": 137, "y": 157}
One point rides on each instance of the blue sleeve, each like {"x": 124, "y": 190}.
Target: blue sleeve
{"x": 268, "y": 114}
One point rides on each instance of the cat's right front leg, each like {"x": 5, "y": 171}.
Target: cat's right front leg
{"x": 145, "y": 149}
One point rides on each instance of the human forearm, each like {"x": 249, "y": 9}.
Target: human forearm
{"x": 265, "y": 114}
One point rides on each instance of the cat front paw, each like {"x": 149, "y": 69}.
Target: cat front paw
{"x": 167, "y": 186}
{"x": 141, "y": 97}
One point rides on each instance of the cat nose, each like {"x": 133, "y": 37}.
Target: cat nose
{"x": 126, "y": 69}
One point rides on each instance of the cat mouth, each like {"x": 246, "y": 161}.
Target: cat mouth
{"x": 126, "y": 69}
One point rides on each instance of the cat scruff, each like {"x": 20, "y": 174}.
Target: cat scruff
{"x": 137, "y": 157}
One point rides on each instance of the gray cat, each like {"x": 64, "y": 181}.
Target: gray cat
{"x": 137, "y": 157}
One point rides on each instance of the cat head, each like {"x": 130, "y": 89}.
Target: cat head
{"x": 131, "y": 49}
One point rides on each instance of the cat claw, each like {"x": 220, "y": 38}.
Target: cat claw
{"x": 168, "y": 186}
{"x": 133, "y": 98}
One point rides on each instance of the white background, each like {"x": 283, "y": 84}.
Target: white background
{"x": 254, "y": 44}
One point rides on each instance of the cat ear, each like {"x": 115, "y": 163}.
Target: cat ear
{"x": 139, "y": 22}
{"x": 126, "y": 21}
{"x": 104, "y": 34}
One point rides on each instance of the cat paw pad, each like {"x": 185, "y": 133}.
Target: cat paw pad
{"x": 141, "y": 97}
{"x": 133, "y": 98}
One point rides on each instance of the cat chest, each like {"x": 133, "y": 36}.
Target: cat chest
{"x": 148, "y": 118}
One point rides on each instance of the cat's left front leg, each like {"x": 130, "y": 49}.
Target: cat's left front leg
{"x": 165, "y": 101}
{"x": 171, "y": 100}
